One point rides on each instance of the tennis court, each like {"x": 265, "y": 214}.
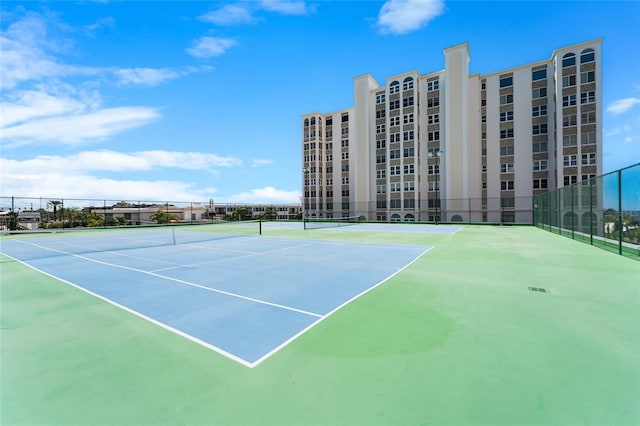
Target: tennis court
{"x": 244, "y": 296}
{"x": 453, "y": 335}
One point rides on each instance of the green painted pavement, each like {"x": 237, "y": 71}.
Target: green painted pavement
{"x": 457, "y": 338}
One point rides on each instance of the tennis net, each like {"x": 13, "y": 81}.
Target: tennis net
{"x": 313, "y": 223}
{"x": 28, "y": 245}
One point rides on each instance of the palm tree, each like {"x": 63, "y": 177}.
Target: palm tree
{"x": 54, "y": 204}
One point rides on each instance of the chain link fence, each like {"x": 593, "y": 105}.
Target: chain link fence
{"x": 26, "y": 213}
{"x": 603, "y": 211}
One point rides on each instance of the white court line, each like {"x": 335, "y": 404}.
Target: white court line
{"x": 214, "y": 290}
{"x": 208, "y": 345}
{"x": 210, "y": 262}
{"x": 143, "y": 316}
{"x": 310, "y": 326}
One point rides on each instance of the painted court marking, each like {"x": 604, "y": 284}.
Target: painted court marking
{"x": 314, "y": 316}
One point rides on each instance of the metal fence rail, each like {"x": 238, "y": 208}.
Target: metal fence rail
{"x": 603, "y": 211}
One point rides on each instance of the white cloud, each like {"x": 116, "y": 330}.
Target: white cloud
{"x": 285, "y": 7}
{"x": 264, "y": 195}
{"x": 58, "y": 176}
{"x": 404, "y": 16}
{"x": 230, "y": 14}
{"x": 261, "y": 162}
{"x": 79, "y": 128}
{"x": 27, "y": 105}
{"x": 113, "y": 161}
{"x": 145, "y": 76}
{"x": 206, "y": 47}
{"x": 622, "y": 105}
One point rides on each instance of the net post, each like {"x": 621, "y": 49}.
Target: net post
{"x": 260, "y": 226}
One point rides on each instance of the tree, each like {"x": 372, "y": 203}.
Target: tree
{"x": 270, "y": 213}
{"x": 162, "y": 216}
{"x": 54, "y": 204}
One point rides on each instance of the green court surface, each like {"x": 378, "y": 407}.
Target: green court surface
{"x": 457, "y": 338}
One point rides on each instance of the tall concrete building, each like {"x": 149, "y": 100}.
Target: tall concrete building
{"x": 449, "y": 146}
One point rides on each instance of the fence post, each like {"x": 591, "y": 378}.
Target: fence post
{"x": 591, "y": 210}
{"x": 573, "y": 218}
{"x": 620, "y": 212}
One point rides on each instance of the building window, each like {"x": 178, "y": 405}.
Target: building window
{"x": 506, "y": 116}
{"x": 506, "y": 82}
{"x": 394, "y": 121}
{"x": 540, "y": 165}
{"x": 345, "y": 180}
{"x": 570, "y": 161}
{"x": 569, "y": 140}
{"x": 409, "y": 186}
{"x": 381, "y": 144}
{"x": 540, "y": 184}
{"x": 381, "y": 113}
{"x": 569, "y": 80}
{"x": 506, "y": 167}
{"x": 506, "y": 150}
{"x": 433, "y": 119}
{"x": 433, "y": 85}
{"x": 568, "y": 100}
{"x": 396, "y": 187}
{"x": 506, "y": 99}
{"x": 587, "y": 77}
{"x": 484, "y": 168}
{"x": 394, "y": 104}
{"x": 380, "y": 128}
{"x": 433, "y": 169}
{"x": 433, "y": 136}
{"x": 380, "y": 99}
{"x": 408, "y": 136}
{"x": 394, "y": 87}
{"x": 589, "y": 159}
{"x": 406, "y": 102}
{"x": 345, "y": 155}
{"x": 569, "y": 120}
{"x": 540, "y": 147}
{"x": 394, "y": 170}
{"x": 344, "y": 131}
{"x": 394, "y": 153}
{"x": 568, "y": 60}
{"x": 381, "y": 174}
{"x": 539, "y": 74}
{"x": 587, "y": 97}
{"x": 587, "y": 55}
{"x": 588, "y": 117}
{"x": 345, "y": 167}
{"x": 381, "y": 189}
{"x": 433, "y": 102}
{"x": 540, "y": 129}
{"x": 433, "y": 186}
{"x": 539, "y": 111}
{"x": 395, "y": 137}
{"x": 408, "y": 152}
{"x": 570, "y": 180}
{"x": 540, "y": 92}
{"x": 407, "y": 118}
{"x": 409, "y": 169}
{"x": 506, "y": 185}
{"x": 407, "y": 84}
{"x": 506, "y": 133}
{"x": 588, "y": 138}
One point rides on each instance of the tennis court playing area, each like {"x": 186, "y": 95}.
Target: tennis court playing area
{"x": 368, "y": 324}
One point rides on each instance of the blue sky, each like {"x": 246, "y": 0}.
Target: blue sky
{"x": 188, "y": 101}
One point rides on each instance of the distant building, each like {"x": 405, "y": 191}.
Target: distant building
{"x": 453, "y": 146}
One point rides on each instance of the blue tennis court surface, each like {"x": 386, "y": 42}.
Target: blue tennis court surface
{"x": 244, "y": 297}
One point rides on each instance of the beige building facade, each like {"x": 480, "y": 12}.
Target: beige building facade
{"x": 449, "y": 146}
